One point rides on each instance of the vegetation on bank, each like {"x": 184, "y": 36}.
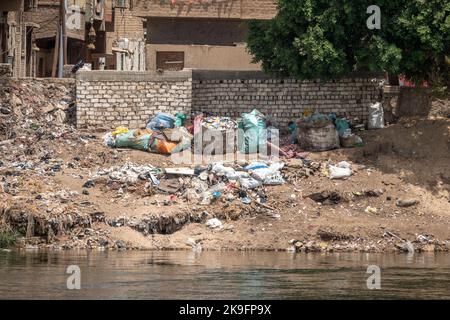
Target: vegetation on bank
{"x": 8, "y": 237}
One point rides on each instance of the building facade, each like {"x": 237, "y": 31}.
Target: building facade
{"x": 102, "y": 33}
{"x": 200, "y": 34}
{"x": 17, "y": 37}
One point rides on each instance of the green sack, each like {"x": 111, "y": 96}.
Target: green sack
{"x": 128, "y": 140}
{"x": 254, "y": 137}
{"x": 341, "y": 125}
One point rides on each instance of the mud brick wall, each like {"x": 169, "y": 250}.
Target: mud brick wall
{"x": 108, "y": 99}
{"x": 232, "y": 93}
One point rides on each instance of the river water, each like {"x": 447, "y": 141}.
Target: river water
{"x": 222, "y": 275}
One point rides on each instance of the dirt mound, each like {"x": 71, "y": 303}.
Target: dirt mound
{"x": 417, "y": 150}
{"x": 411, "y": 138}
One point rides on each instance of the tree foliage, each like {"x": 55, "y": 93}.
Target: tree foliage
{"x": 330, "y": 38}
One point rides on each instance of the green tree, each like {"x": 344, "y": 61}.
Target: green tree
{"x": 329, "y": 38}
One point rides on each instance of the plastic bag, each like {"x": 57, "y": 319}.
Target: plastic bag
{"x": 274, "y": 179}
{"x": 341, "y": 171}
{"x": 180, "y": 119}
{"x": 214, "y": 223}
{"x": 249, "y": 183}
{"x": 342, "y": 126}
{"x": 161, "y": 121}
{"x": 262, "y": 173}
{"x": 221, "y": 170}
{"x": 120, "y": 130}
{"x": 376, "y": 116}
{"x": 109, "y": 140}
{"x": 277, "y": 165}
{"x": 256, "y": 165}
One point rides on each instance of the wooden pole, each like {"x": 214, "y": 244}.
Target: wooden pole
{"x": 55, "y": 54}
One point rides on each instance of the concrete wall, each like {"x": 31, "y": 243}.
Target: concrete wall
{"x": 236, "y": 9}
{"x": 232, "y": 93}
{"x": 108, "y": 99}
{"x": 206, "y": 57}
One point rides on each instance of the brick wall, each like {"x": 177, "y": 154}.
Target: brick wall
{"x": 228, "y": 9}
{"x": 232, "y": 93}
{"x": 108, "y": 99}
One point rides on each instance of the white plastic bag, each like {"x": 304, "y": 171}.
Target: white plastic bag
{"x": 262, "y": 174}
{"x": 274, "y": 179}
{"x": 221, "y": 170}
{"x": 249, "y": 183}
{"x": 214, "y": 223}
{"x": 376, "y": 116}
{"x": 341, "y": 171}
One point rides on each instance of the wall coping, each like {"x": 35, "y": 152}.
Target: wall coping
{"x": 135, "y": 76}
{"x": 198, "y": 74}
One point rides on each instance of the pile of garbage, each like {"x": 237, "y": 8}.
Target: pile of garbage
{"x": 219, "y": 123}
{"x": 168, "y": 134}
{"x": 201, "y": 185}
{"x": 31, "y": 104}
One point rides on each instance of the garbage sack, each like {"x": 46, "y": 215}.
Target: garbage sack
{"x": 134, "y": 139}
{"x": 341, "y": 171}
{"x": 181, "y": 136}
{"x": 376, "y": 116}
{"x": 262, "y": 173}
{"x": 220, "y": 170}
{"x": 277, "y": 165}
{"x": 161, "y": 121}
{"x": 249, "y": 183}
{"x": 316, "y": 138}
{"x": 253, "y": 125}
